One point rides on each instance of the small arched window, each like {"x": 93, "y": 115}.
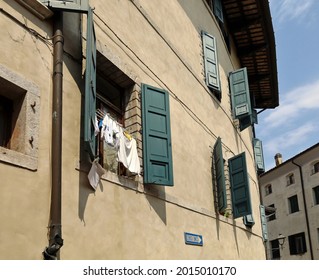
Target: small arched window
{"x": 290, "y": 179}
{"x": 268, "y": 189}
{"x": 315, "y": 168}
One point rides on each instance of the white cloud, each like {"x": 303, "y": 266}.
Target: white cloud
{"x": 285, "y": 10}
{"x": 294, "y": 105}
{"x": 280, "y": 142}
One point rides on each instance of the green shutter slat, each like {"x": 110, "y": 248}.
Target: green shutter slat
{"x": 211, "y": 61}
{"x": 157, "y": 147}
{"x": 218, "y": 10}
{"x": 263, "y": 220}
{"x": 239, "y": 186}
{"x": 219, "y": 174}
{"x": 90, "y": 86}
{"x": 259, "y": 156}
{"x": 240, "y": 96}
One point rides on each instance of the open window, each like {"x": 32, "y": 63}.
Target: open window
{"x": 315, "y": 168}
{"x": 19, "y": 119}
{"x": 293, "y": 204}
{"x": 111, "y": 111}
{"x": 290, "y": 179}
{"x": 297, "y": 244}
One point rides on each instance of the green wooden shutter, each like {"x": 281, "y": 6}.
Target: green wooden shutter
{"x": 90, "y": 86}
{"x": 211, "y": 61}
{"x": 157, "y": 147}
{"x": 254, "y": 116}
{"x": 259, "y": 156}
{"x": 218, "y": 10}
{"x": 240, "y": 96}
{"x": 219, "y": 174}
{"x": 263, "y": 220}
{"x": 239, "y": 186}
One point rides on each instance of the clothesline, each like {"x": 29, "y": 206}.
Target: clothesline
{"x": 101, "y": 115}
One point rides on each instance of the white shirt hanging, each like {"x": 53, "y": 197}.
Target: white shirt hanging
{"x": 127, "y": 154}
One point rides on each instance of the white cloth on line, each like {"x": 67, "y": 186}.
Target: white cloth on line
{"x": 96, "y": 126}
{"x": 127, "y": 154}
{"x": 107, "y": 129}
{"x": 95, "y": 174}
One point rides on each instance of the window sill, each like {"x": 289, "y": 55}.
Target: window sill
{"x": 36, "y": 8}
{"x": 18, "y": 159}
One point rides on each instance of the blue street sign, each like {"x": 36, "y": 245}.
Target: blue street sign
{"x": 193, "y": 239}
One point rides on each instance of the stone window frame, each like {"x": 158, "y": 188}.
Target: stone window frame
{"x": 24, "y": 152}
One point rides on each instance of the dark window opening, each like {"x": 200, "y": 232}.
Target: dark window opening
{"x": 6, "y": 110}
{"x": 268, "y": 189}
{"x": 293, "y": 204}
{"x": 275, "y": 250}
{"x": 297, "y": 244}
{"x": 113, "y": 94}
{"x": 270, "y": 214}
{"x": 110, "y": 102}
{"x": 12, "y": 116}
{"x": 316, "y": 195}
{"x": 290, "y": 179}
{"x": 315, "y": 168}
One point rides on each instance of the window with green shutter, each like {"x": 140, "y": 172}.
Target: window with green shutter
{"x": 239, "y": 186}
{"x": 240, "y": 98}
{"x": 240, "y": 93}
{"x": 90, "y": 87}
{"x": 211, "y": 64}
{"x": 259, "y": 155}
{"x": 218, "y": 163}
{"x": 157, "y": 146}
{"x": 218, "y": 10}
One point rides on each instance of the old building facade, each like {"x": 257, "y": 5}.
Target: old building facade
{"x": 292, "y": 189}
{"x": 127, "y": 128}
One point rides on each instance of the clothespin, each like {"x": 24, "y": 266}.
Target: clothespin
{"x": 127, "y": 135}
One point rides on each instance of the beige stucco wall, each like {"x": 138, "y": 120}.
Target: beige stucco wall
{"x": 122, "y": 219}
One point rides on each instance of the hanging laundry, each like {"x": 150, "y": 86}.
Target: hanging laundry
{"x": 95, "y": 174}
{"x": 127, "y": 154}
{"x": 96, "y": 126}
{"x": 107, "y": 130}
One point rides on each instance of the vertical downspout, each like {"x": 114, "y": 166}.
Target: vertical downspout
{"x": 55, "y": 232}
{"x": 305, "y": 205}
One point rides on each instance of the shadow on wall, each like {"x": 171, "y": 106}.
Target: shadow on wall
{"x": 156, "y": 197}
{"x": 85, "y": 190}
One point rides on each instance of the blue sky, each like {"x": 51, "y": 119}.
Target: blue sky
{"x": 294, "y": 125}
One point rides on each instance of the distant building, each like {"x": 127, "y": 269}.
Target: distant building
{"x": 127, "y": 128}
{"x": 292, "y": 189}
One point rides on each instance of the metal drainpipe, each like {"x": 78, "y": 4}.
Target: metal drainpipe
{"x": 55, "y": 233}
{"x": 305, "y": 205}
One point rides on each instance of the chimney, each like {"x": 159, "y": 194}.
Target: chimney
{"x": 278, "y": 159}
